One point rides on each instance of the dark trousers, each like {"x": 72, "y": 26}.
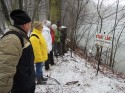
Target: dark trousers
{"x": 26, "y": 90}
{"x": 49, "y": 61}
{"x": 63, "y": 47}
{"x": 57, "y": 48}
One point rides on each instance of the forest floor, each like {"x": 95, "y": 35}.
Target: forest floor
{"x": 76, "y": 75}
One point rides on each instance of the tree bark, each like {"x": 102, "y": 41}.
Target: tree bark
{"x": 5, "y": 12}
{"x": 55, "y": 10}
{"x": 36, "y": 5}
{"x": 21, "y": 4}
{"x": 14, "y": 4}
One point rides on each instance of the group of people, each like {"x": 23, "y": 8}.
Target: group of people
{"x": 19, "y": 53}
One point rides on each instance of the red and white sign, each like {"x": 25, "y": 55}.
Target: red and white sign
{"x": 103, "y": 40}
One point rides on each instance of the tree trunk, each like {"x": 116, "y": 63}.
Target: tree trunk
{"x": 5, "y": 12}
{"x": 35, "y": 9}
{"x": 21, "y": 4}
{"x": 26, "y": 3}
{"x": 1, "y": 32}
{"x": 97, "y": 52}
{"x": 47, "y": 9}
{"x": 14, "y": 4}
{"x": 55, "y": 10}
{"x": 114, "y": 32}
{"x": 37, "y": 14}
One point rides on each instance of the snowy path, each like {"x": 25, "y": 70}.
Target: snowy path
{"x": 70, "y": 75}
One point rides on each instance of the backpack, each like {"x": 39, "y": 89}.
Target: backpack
{"x": 17, "y": 34}
{"x": 34, "y": 35}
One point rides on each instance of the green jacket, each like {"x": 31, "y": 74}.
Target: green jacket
{"x": 57, "y": 35}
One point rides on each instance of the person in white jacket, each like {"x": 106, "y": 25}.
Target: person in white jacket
{"x": 47, "y": 36}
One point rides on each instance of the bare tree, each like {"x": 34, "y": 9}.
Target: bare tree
{"x": 76, "y": 11}
{"x": 5, "y": 11}
{"x": 55, "y": 10}
{"x": 21, "y": 4}
{"x": 36, "y": 5}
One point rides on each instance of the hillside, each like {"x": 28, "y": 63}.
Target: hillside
{"x": 75, "y": 75}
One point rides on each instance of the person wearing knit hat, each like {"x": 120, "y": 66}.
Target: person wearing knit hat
{"x": 17, "y": 74}
{"x": 40, "y": 51}
{"x": 47, "y": 35}
{"x": 58, "y": 44}
{"x": 63, "y": 39}
{"x": 20, "y": 17}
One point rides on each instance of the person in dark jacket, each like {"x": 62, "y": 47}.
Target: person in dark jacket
{"x": 57, "y": 42}
{"x": 17, "y": 73}
{"x": 58, "y": 36}
{"x": 63, "y": 38}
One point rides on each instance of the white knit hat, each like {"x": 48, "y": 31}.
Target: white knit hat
{"x": 47, "y": 23}
{"x": 54, "y": 26}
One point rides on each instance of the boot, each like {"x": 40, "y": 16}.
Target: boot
{"x": 47, "y": 65}
{"x": 52, "y": 62}
{"x": 44, "y": 79}
{"x": 40, "y": 82}
{"x": 51, "y": 58}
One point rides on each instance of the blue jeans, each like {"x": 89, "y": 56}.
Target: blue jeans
{"x": 39, "y": 71}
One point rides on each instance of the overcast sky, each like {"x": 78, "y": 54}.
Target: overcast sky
{"x": 108, "y": 2}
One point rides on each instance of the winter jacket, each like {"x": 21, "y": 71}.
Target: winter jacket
{"x": 52, "y": 35}
{"x": 16, "y": 62}
{"x": 39, "y": 46}
{"x": 46, "y": 34}
{"x": 63, "y": 34}
{"x": 57, "y": 35}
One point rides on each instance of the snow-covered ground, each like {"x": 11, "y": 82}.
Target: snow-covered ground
{"x": 75, "y": 75}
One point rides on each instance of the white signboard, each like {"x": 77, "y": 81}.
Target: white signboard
{"x": 103, "y": 40}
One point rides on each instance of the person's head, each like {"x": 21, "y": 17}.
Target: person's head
{"x": 21, "y": 19}
{"x": 38, "y": 25}
{"x": 58, "y": 24}
{"x": 54, "y": 27}
{"x": 47, "y": 23}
